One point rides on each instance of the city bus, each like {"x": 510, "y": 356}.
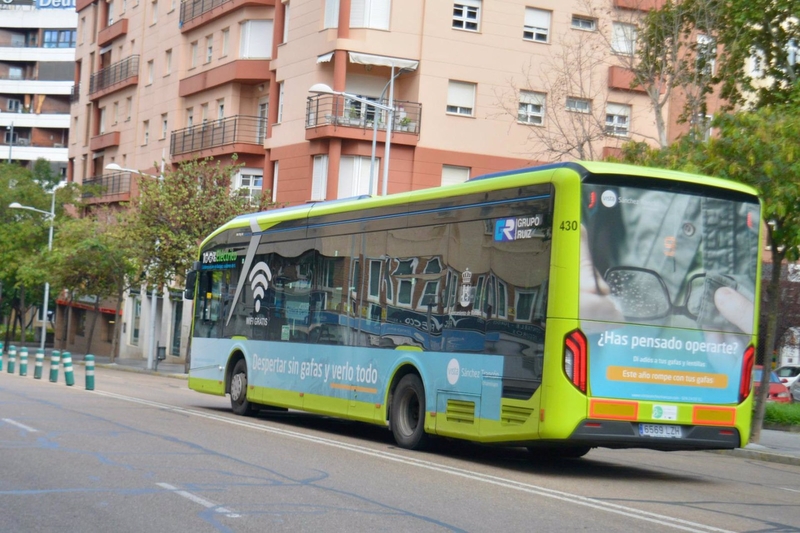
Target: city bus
{"x": 558, "y": 308}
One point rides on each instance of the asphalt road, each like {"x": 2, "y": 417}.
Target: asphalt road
{"x": 143, "y": 453}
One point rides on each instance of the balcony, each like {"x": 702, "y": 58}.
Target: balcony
{"x": 109, "y": 33}
{"x": 245, "y": 71}
{"x": 639, "y": 5}
{"x": 239, "y": 134}
{"x": 106, "y": 140}
{"x": 338, "y": 116}
{"x": 195, "y": 13}
{"x": 621, "y": 79}
{"x": 114, "y": 187}
{"x": 114, "y": 77}
{"x": 75, "y": 94}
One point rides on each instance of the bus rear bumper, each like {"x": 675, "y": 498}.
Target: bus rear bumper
{"x": 621, "y": 434}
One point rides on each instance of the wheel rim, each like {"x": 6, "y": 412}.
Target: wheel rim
{"x": 409, "y": 409}
{"x": 238, "y": 386}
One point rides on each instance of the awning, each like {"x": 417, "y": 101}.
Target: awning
{"x": 325, "y": 58}
{"x": 382, "y": 61}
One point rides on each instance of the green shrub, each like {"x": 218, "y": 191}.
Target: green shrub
{"x": 787, "y": 414}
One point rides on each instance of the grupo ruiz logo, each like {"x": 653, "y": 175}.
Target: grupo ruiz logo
{"x": 512, "y": 229}
{"x": 219, "y": 257}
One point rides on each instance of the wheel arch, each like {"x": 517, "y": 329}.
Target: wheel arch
{"x": 235, "y": 356}
{"x": 403, "y": 370}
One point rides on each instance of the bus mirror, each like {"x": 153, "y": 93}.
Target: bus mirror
{"x": 191, "y": 280}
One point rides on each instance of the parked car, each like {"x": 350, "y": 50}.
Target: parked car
{"x": 788, "y": 374}
{"x": 777, "y": 390}
{"x": 795, "y": 391}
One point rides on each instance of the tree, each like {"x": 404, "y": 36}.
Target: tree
{"x": 760, "y": 149}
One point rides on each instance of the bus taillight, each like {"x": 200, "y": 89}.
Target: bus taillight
{"x": 747, "y": 373}
{"x": 575, "y": 359}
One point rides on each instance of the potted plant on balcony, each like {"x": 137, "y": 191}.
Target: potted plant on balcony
{"x": 404, "y": 124}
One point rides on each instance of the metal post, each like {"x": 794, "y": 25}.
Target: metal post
{"x": 47, "y": 283}
{"x": 1, "y": 356}
{"x": 388, "y": 143}
{"x": 10, "y": 141}
{"x": 23, "y": 361}
{"x": 55, "y": 359}
{"x": 12, "y": 359}
{"x": 38, "y": 365}
{"x": 69, "y": 376}
{"x": 89, "y": 372}
{"x": 152, "y": 340}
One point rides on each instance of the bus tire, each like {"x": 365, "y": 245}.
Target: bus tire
{"x": 408, "y": 413}
{"x": 238, "y": 387}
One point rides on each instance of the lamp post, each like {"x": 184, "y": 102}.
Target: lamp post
{"x": 10, "y": 141}
{"x": 151, "y": 346}
{"x": 321, "y": 88}
{"x": 51, "y": 215}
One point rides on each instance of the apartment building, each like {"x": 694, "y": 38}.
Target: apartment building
{"x": 37, "y": 49}
{"x": 475, "y": 86}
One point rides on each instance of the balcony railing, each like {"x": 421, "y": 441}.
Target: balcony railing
{"x": 112, "y": 74}
{"x": 107, "y": 185}
{"x": 240, "y": 129}
{"x": 191, "y": 9}
{"x": 75, "y": 93}
{"x": 335, "y": 110}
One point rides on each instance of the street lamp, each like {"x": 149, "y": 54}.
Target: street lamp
{"x": 10, "y": 141}
{"x": 151, "y": 348}
{"x": 321, "y": 88}
{"x": 51, "y": 215}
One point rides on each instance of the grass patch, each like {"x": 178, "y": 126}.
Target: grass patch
{"x": 786, "y": 414}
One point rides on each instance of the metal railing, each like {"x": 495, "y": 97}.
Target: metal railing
{"x": 237, "y": 129}
{"x": 336, "y": 110}
{"x": 107, "y": 185}
{"x": 191, "y": 9}
{"x": 119, "y": 71}
{"x": 75, "y": 93}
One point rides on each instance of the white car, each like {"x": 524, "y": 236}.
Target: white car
{"x": 788, "y": 375}
{"x": 795, "y": 391}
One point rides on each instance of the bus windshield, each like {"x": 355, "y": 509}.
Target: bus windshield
{"x": 667, "y": 289}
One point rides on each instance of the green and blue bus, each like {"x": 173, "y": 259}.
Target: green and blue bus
{"x": 560, "y": 308}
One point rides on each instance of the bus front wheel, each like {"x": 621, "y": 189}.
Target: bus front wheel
{"x": 408, "y": 413}
{"x": 238, "y": 387}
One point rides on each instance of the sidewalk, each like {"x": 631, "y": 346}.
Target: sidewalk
{"x": 171, "y": 370}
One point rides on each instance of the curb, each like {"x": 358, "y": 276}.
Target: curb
{"x": 114, "y": 366}
{"x": 761, "y": 456}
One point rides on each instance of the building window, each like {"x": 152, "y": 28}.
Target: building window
{"x": 110, "y": 19}
{"x": 467, "y": 15}
{"x": 285, "y": 37}
{"x": 319, "y": 178}
{"x": 579, "y": 105}
{"x": 618, "y": 119}
{"x": 14, "y": 73}
{"x": 59, "y": 39}
{"x": 256, "y": 39}
{"x": 331, "y": 14}
{"x": 115, "y": 113}
{"x": 226, "y": 38}
{"x": 203, "y": 112}
{"x": 701, "y": 127}
{"x": 189, "y": 117}
{"x": 583, "y": 23}
{"x": 370, "y": 14}
{"x": 706, "y": 55}
{"x": 249, "y": 183}
{"x": 209, "y": 48}
{"x": 461, "y": 98}
{"x": 531, "y": 108}
{"x": 168, "y": 62}
{"x": 537, "y": 25}
{"x": 221, "y": 108}
{"x": 275, "y": 169}
{"x": 452, "y": 175}
{"x": 128, "y": 108}
{"x": 354, "y": 176}
{"x": 164, "y": 125}
{"x": 280, "y": 102}
{"x": 102, "y": 126}
{"x": 145, "y": 132}
{"x": 137, "y": 314}
{"x": 14, "y": 105}
{"x": 623, "y": 38}
{"x": 150, "y": 70}
{"x": 155, "y": 12}
{"x": 193, "y": 55}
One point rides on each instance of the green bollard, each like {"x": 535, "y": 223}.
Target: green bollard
{"x": 55, "y": 358}
{"x": 1, "y": 356}
{"x": 12, "y": 359}
{"x": 23, "y": 361}
{"x": 37, "y": 366}
{"x": 69, "y": 376}
{"x": 89, "y": 372}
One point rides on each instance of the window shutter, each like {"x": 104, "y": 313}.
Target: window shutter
{"x": 379, "y": 14}
{"x": 529, "y": 97}
{"x": 537, "y": 18}
{"x": 319, "y": 178}
{"x": 618, "y": 109}
{"x": 452, "y": 175}
{"x": 332, "y": 13}
{"x": 461, "y": 94}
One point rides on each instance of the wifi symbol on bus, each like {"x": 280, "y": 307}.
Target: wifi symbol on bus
{"x": 259, "y": 279}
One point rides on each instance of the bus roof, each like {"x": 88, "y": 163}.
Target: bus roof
{"x": 512, "y": 178}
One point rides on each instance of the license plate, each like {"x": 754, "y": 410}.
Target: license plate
{"x": 660, "y": 431}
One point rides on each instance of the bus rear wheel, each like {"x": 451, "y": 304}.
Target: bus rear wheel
{"x": 238, "y": 387}
{"x": 408, "y": 413}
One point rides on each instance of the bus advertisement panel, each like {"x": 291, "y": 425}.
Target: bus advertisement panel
{"x": 668, "y": 285}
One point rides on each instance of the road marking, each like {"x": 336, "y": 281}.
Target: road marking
{"x": 197, "y": 499}
{"x": 630, "y": 512}
{"x": 22, "y": 426}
